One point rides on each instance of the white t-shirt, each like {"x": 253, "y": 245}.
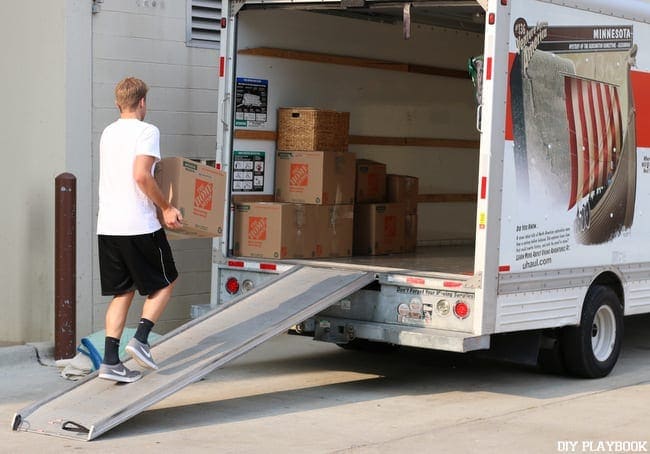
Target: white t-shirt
{"x": 123, "y": 208}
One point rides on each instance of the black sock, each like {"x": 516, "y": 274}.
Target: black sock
{"x": 111, "y": 351}
{"x": 144, "y": 328}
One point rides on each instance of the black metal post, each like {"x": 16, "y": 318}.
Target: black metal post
{"x": 65, "y": 275}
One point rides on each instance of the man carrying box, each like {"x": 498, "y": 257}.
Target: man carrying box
{"x": 133, "y": 249}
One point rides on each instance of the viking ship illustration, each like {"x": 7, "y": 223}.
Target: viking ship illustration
{"x": 602, "y": 156}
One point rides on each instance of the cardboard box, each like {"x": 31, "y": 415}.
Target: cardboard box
{"x": 411, "y": 232}
{"x": 314, "y": 177}
{"x": 309, "y": 129}
{"x": 198, "y": 191}
{"x": 404, "y": 189}
{"x": 335, "y": 230}
{"x": 370, "y": 181}
{"x": 275, "y": 230}
{"x": 379, "y": 228}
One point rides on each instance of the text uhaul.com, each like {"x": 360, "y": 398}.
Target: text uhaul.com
{"x": 602, "y": 446}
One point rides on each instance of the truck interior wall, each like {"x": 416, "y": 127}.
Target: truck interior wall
{"x": 380, "y": 102}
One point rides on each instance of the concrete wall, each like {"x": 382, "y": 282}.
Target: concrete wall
{"x": 45, "y": 79}
{"x": 60, "y": 65}
{"x": 147, "y": 40}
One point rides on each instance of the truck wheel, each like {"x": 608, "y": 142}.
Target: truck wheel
{"x": 591, "y": 349}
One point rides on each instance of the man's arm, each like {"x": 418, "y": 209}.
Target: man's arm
{"x": 147, "y": 184}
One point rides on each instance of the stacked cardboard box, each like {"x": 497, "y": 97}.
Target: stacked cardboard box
{"x": 411, "y": 232}
{"x": 335, "y": 231}
{"x": 327, "y": 203}
{"x": 275, "y": 230}
{"x": 404, "y": 189}
{"x": 379, "y": 226}
{"x": 385, "y": 210}
{"x": 371, "y": 181}
{"x": 280, "y": 230}
{"x": 315, "y": 177}
{"x": 312, "y": 215}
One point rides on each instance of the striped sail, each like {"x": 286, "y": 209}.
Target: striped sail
{"x": 595, "y": 134}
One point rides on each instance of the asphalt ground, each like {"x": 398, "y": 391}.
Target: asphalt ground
{"x": 296, "y": 395}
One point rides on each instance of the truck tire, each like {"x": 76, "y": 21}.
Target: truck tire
{"x": 591, "y": 349}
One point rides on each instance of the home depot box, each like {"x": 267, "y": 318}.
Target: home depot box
{"x": 379, "y": 228}
{"x": 370, "y": 181}
{"x": 314, "y": 177}
{"x": 275, "y": 230}
{"x": 411, "y": 232}
{"x": 403, "y": 188}
{"x": 198, "y": 191}
{"x": 309, "y": 129}
{"x": 335, "y": 230}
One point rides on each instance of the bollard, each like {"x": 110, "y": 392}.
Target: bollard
{"x": 65, "y": 265}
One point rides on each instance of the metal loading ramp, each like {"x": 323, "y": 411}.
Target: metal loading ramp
{"x": 185, "y": 355}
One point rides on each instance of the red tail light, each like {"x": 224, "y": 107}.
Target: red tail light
{"x": 461, "y": 309}
{"x": 232, "y": 285}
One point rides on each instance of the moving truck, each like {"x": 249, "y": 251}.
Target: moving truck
{"x": 527, "y": 236}
{"x": 533, "y": 213}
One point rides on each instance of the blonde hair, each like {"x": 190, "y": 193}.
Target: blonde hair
{"x": 129, "y": 92}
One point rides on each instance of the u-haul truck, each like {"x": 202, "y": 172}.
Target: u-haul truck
{"x": 550, "y": 251}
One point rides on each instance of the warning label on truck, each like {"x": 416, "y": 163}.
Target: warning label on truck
{"x": 252, "y": 102}
{"x": 248, "y": 171}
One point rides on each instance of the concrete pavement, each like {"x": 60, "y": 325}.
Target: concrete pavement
{"x": 295, "y": 395}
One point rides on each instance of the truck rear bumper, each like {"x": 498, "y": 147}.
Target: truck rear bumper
{"x": 338, "y": 330}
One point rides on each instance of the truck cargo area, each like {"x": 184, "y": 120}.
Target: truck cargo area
{"x": 457, "y": 259}
{"x": 402, "y": 75}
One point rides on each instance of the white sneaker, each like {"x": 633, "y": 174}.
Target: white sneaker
{"x": 141, "y": 353}
{"x": 118, "y": 372}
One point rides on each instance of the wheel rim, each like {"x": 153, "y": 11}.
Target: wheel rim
{"x": 603, "y": 333}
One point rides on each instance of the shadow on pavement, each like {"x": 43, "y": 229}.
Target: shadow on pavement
{"x": 374, "y": 376}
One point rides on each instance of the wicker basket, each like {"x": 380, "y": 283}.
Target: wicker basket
{"x": 309, "y": 129}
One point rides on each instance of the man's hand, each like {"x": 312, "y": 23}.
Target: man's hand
{"x": 173, "y": 218}
{"x": 142, "y": 174}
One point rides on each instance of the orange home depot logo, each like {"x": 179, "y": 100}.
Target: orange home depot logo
{"x": 299, "y": 175}
{"x": 257, "y": 228}
{"x": 203, "y": 191}
{"x": 390, "y": 226}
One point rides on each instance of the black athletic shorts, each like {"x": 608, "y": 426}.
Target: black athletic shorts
{"x": 142, "y": 262}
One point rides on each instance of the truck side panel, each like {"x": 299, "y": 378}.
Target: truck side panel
{"x": 575, "y": 184}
